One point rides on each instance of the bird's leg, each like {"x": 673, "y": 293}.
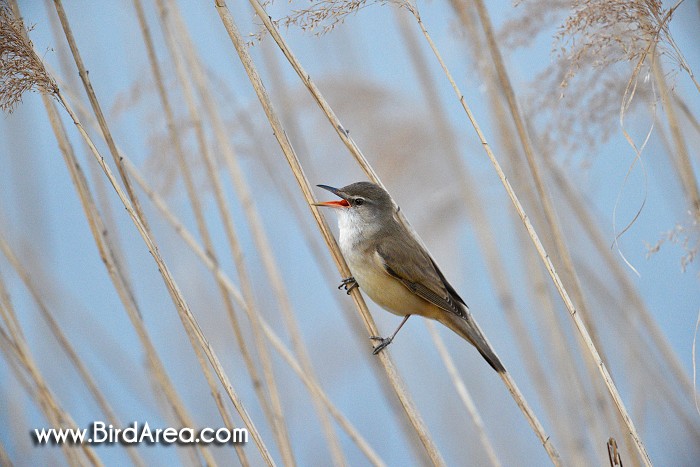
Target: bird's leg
{"x": 384, "y": 341}
{"x": 348, "y": 283}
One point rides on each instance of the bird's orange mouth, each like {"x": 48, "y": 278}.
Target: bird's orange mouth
{"x": 341, "y": 203}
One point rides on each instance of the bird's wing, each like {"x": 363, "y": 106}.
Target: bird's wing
{"x": 418, "y": 271}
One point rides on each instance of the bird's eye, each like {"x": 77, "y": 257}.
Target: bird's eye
{"x": 359, "y": 201}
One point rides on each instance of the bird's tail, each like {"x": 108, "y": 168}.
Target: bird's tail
{"x": 469, "y": 330}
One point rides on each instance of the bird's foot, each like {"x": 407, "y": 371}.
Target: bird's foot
{"x": 348, "y": 284}
{"x": 383, "y": 342}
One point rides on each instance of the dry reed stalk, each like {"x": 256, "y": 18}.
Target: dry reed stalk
{"x": 571, "y": 384}
{"x": 10, "y": 319}
{"x": 543, "y": 195}
{"x": 642, "y": 313}
{"x": 354, "y": 149}
{"x": 6, "y": 341}
{"x": 188, "y": 320}
{"x": 534, "y": 169}
{"x": 314, "y": 387}
{"x": 224, "y": 279}
{"x": 117, "y": 276}
{"x": 580, "y": 387}
{"x": 65, "y": 344}
{"x": 673, "y": 162}
{"x": 14, "y": 360}
{"x": 15, "y": 424}
{"x": 482, "y": 227}
{"x": 600, "y": 416}
{"x": 7, "y": 316}
{"x": 653, "y": 381}
{"x": 319, "y": 252}
{"x": 232, "y": 237}
{"x": 686, "y": 111}
{"x": 102, "y": 236}
{"x": 501, "y": 117}
{"x": 102, "y": 191}
{"x": 181, "y": 305}
{"x": 463, "y": 393}
{"x": 204, "y": 231}
{"x": 580, "y": 326}
{"x": 176, "y": 404}
{"x": 220, "y": 275}
{"x": 294, "y": 164}
{"x": 683, "y": 165}
{"x": 603, "y": 417}
{"x": 634, "y": 310}
{"x": 259, "y": 235}
{"x": 97, "y": 109}
{"x": 277, "y": 419}
{"x": 97, "y": 227}
{"x": 49, "y": 405}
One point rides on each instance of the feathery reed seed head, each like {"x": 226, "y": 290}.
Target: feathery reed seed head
{"x": 21, "y": 69}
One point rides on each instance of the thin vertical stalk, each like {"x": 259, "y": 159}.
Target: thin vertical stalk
{"x": 101, "y": 191}
{"x": 481, "y": 223}
{"x": 189, "y": 322}
{"x": 463, "y": 393}
{"x": 294, "y": 164}
{"x": 534, "y": 169}
{"x": 354, "y": 149}
{"x": 107, "y": 254}
{"x": 641, "y": 311}
{"x": 259, "y": 234}
{"x": 574, "y": 393}
{"x": 123, "y": 289}
{"x": 97, "y": 109}
{"x": 181, "y": 305}
{"x": 48, "y": 403}
{"x": 15, "y": 361}
{"x": 599, "y": 425}
{"x": 686, "y": 111}
{"x": 684, "y": 167}
{"x": 227, "y": 283}
{"x": 359, "y": 333}
{"x": 580, "y": 326}
{"x": 193, "y": 197}
{"x": 65, "y": 344}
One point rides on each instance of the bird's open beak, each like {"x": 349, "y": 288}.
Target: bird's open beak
{"x": 341, "y": 203}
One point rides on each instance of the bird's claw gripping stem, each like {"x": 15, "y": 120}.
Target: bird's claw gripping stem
{"x": 383, "y": 342}
{"x": 348, "y": 284}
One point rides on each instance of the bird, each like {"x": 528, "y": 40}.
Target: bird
{"x": 393, "y": 267}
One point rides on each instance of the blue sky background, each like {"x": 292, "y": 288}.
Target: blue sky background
{"x": 365, "y": 72}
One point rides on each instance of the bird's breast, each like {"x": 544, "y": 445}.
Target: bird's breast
{"x": 385, "y": 290}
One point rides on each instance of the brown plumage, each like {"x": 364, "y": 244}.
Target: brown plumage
{"x": 394, "y": 269}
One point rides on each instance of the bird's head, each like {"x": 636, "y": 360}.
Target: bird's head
{"x": 362, "y": 203}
